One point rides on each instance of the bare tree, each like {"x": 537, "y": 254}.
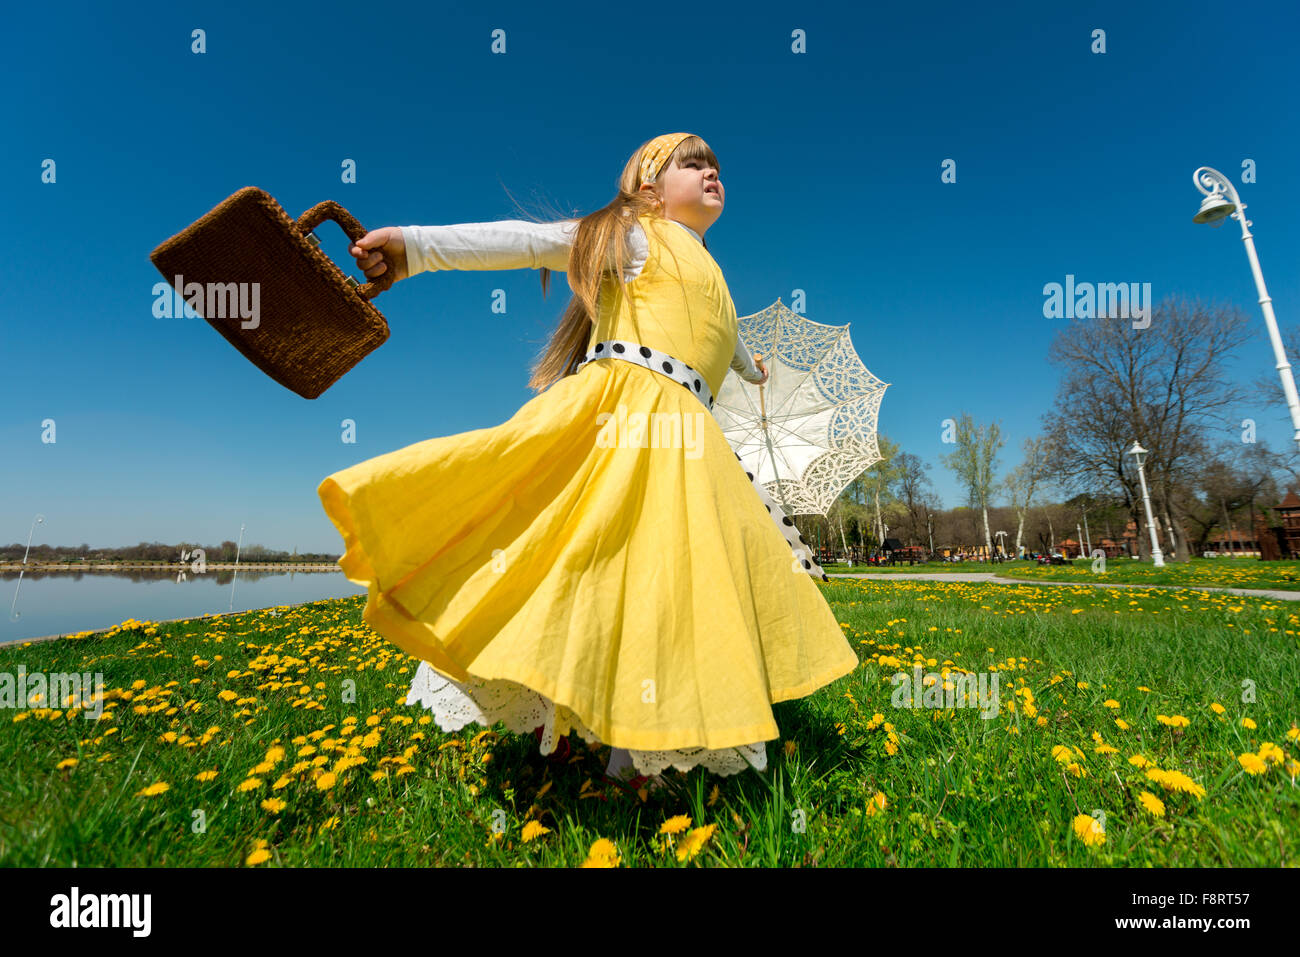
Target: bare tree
{"x": 1024, "y": 481}
{"x": 974, "y": 461}
{"x": 916, "y": 495}
{"x": 879, "y": 481}
{"x": 1162, "y": 386}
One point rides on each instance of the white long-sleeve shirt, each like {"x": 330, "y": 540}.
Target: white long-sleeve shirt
{"x": 519, "y": 244}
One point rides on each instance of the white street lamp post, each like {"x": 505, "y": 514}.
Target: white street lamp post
{"x": 1213, "y": 209}
{"x": 1079, "y": 531}
{"x": 14, "y": 613}
{"x": 238, "y": 546}
{"x": 1139, "y": 455}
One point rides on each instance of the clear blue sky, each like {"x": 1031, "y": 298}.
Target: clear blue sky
{"x": 1067, "y": 162}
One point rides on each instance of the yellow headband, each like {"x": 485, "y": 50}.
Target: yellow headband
{"x": 657, "y": 153}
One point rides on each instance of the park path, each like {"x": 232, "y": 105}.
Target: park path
{"x": 992, "y": 577}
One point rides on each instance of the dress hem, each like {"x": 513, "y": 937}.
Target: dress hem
{"x": 394, "y": 623}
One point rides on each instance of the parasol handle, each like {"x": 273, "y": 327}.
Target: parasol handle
{"x": 762, "y": 399}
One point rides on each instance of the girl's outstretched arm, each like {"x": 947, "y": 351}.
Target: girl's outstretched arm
{"x": 507, "y": 244}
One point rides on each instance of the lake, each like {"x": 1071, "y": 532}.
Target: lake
{"x": 60, "y": 602}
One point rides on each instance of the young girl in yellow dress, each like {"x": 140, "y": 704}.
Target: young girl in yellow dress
{"x": 573, "y": 569}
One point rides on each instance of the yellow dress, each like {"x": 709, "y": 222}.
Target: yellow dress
{"x": 562, "y": 570}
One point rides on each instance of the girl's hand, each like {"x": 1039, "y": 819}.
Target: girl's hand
{"x": 380, "y": 250}
{"x": 761, "y": 368}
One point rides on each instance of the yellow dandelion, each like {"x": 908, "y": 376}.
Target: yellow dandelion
{"x": 158, "y": 787}
{"x": 65, "y": 764}
{"x": 205, "y": 775}
{"x": 326, "y": 781}
{"x": 1088, "y": 830}
{"x": 1121, "y": 724}
{"x": 533, "y": 830}
{"x": 1269, "y": 751}
{"x": 692, "y": 843}
{"x": 1138, "y": 761}
{"x": 1176, "y": 781}
{"x": 1152, "y": 803}
{"x": 259, "y": 856}
{"x": 1217, "y": 708}
{"x": 603, "y": 853}
{"x": 1253, "y": 763}
{"x": 250, "y": 784}
{"x": 675, "y": 825}
{"x": 1248, "y": 724}
{"x": 273, "y": 805}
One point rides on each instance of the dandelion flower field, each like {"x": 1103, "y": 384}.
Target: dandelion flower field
{"x": 1152, "y": 727}
{"x": 1223, "y": 572}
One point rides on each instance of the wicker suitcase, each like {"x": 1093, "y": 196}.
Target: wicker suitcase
{"x": 311, "y": 322}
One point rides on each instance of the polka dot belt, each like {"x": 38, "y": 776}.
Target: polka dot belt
{"x": 655, "y": 360}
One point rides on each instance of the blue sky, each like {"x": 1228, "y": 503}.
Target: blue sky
{"x": 1068, "y": 162}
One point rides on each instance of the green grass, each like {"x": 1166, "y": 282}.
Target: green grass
{"x": 958, "y": 790}
{"x": 1215, "y": 572}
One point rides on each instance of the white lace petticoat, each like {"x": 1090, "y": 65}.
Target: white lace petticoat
{"x": 455, "y": 704}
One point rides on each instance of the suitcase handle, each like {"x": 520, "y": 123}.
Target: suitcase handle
{"x": 332, "y": 210}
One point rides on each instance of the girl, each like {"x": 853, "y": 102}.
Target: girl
{"x": 559, "y": 573}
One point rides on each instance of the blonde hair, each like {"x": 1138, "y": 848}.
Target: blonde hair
{"x": 599, "y": 235}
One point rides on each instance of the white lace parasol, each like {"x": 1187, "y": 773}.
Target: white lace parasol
{"x": 811, "y": 428}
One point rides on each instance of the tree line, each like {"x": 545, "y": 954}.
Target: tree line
{"x": 1163, "y": 386}
{"x": 158, "y": 552}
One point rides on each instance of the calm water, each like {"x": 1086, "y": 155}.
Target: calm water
{"x": 53, "y": 603}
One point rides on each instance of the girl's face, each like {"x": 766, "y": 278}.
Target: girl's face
{"x": 691, "y": 194}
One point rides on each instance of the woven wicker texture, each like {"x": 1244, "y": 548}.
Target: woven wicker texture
{"x": 314, "y": 323}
